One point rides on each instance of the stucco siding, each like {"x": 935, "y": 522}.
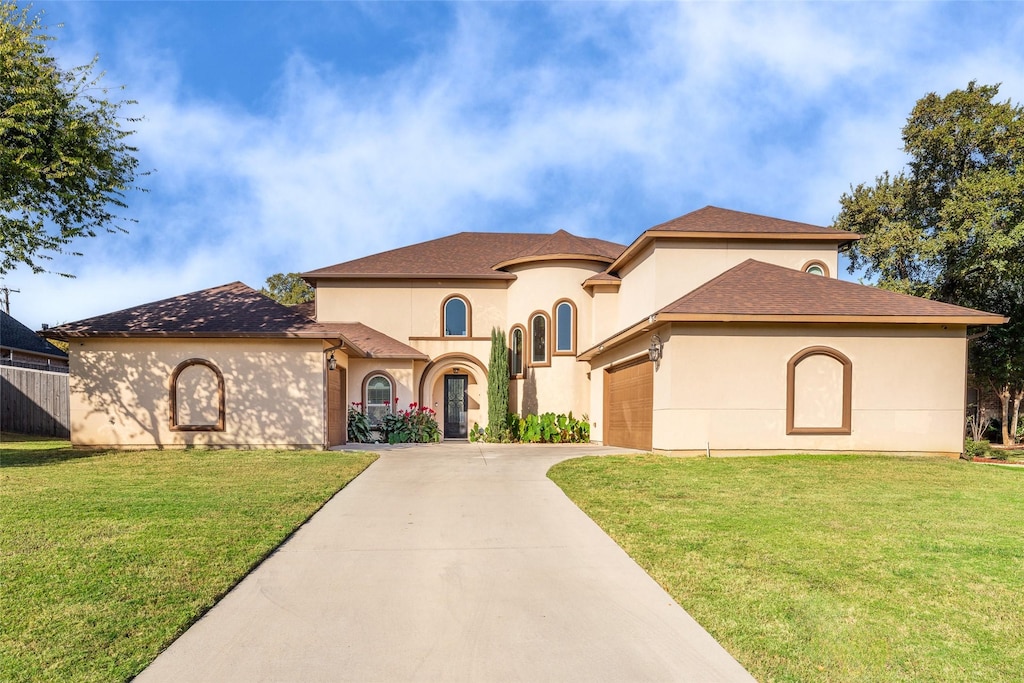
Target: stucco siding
{"x": 273, "y": 392}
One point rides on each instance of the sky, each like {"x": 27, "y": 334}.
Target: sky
{"x": 286, "y": 137}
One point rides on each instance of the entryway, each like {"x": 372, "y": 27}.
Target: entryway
{"x": 456, "y": 411}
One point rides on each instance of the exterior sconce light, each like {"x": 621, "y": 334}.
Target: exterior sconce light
{"x": 456, "y": 371}
{"x": 332, "y": 363}
{"x": 655, "y": 350}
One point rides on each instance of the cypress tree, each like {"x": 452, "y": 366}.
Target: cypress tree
{"x": 497, "y": 386}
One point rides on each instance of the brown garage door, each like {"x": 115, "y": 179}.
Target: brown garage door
{"x": 629, "y": 405}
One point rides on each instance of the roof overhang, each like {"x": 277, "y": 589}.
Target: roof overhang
{"x": 650, "y": 235}
{"x": 553, "y": 257}
{"x": 311, "y": 278}
{"x": 647, "y": 324}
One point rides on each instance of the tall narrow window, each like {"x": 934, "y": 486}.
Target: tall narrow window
{"x": 380, "y": 394}
{"x": 539, "y": 339}
{"x": 456, "y": 317}
{"x": 819, "y": 392}
{"x": 565, "y": 327}
{"x": 515, "y": 348}
{"x": 197, "y": 397}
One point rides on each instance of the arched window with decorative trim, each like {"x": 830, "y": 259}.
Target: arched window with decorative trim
{"x": 816, "y": 267}
{"x": 516, "y": 342}
{"x": 564, "y": 315}
{"x": 378, "y": 397}
{"x": 456, "y": 317}
{"x": 197, "y": 397}
{"x": 540, "y": 336}
{"x": 819, "y": 392}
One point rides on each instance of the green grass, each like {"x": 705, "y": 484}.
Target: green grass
{"x": 828, "y": 568}
{"x": 105, "y": 557}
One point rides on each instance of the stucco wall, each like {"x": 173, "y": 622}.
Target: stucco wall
{"x": 273, "y": 392}
{"x": 726, "y": 386}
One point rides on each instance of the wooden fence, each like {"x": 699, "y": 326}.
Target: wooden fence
{"x": 34, "y": 402}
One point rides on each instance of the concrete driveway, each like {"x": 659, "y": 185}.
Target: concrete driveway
{"x": 449, "y": 562}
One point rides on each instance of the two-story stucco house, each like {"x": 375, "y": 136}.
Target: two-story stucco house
{"x": 717, "y": 331}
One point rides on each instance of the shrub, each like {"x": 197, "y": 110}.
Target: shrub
{"x": 415, "y": 425}
{"x": 477, "y": 433}
{"x": 497, "y": 387}
{"x": 550, "y": 428}
{"x": 972, "y": 448}
{"x": 358, "y": 424}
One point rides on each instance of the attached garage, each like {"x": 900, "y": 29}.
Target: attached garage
{"x": 629, "y": 405}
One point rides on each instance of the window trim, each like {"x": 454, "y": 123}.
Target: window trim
{"x": 366, "y": 386}
{"x": 181, "y": 367}
{"x": 843, "y": 429}
{"x": 522, "y": 352}
{"x": 571, "y": 351}
{"x": 469, "y": 317}
{"x": 546, "y": 363}
{"x": 815, "y": 262}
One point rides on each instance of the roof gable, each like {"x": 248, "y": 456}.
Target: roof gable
{"x": 712, "y": 219}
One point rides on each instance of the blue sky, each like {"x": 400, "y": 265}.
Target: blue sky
{"x": 291, "y": 136}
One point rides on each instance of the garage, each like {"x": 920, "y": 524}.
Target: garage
{"x": 629, "y": 405}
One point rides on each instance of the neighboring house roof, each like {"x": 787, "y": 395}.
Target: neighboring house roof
{"x": 18, "y": 337}
{"x": 755, "y": 291}
{"x": 470, "y": 255}
{"x": 712, "y": 222}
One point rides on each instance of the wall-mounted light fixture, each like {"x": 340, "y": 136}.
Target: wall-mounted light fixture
{"x": 456, "y": 371}
{"x": 656, "y": 350}
{"x": 332, "y": 363}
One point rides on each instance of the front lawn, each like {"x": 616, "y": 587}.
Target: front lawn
{"x": 106, "y": 557}
{"x": 828, "y": 568}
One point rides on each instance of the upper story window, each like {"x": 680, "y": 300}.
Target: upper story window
{"x": 380, "y": 398}
{"x": 539, "y": 339}
{"x": 565, "y": 327}
{"x": 515, "y": 348}
{"x": 455, "y": 317}
{"x": 816, "y": 268}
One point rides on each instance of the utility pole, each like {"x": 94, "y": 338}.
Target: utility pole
{"x": 7, "y": 297}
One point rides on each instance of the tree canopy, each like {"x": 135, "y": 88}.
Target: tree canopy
{"x": 65, "y": 164}
{"x": 950, "y": 226}
{"x": 288, "y": 289}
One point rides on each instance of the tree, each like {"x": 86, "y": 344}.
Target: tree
{"x": 288, "y": 289}
{"x": 65, "y": 165}
{"x": 497, "y": 387}
{"x": 951, "y": 225}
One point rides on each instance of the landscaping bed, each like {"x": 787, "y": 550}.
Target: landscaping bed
{"x": 828, "y": 568}
{"x": 106, "y": 557}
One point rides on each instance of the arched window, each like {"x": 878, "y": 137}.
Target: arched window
{"x": 197, "y": 397}
{"x": 819, "y": 392}
{"x": 816, "y": 268}
{"x": 378, "y": 397}
{"x": 515, "y": 349}
{"x": 539, "y": 331}
{"x": 455, "y": 317}
{"x": 565, "y": 327}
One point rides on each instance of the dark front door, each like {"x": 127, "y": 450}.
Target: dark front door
{"x": 456, "y": 423}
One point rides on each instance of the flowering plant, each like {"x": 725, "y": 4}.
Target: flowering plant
{"x": 417, "y": 424}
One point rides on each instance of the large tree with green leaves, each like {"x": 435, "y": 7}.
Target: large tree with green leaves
{"x": 497, "y": 387}
{"x": 65, "y": 164}
{"x": 288, "y": 289}
{"x": 950, "y": 226}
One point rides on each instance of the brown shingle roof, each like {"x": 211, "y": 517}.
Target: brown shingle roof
{"x": 231, "y": 310}
{"x": 563, "y": 244}
{"x": 466, "y": 255}
{"x": 716, "y": 220}
{"x": 754, "y": 288}
{"x": 370, "y": 343}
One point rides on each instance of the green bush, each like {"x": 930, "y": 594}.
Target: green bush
{"x": 477, "y": 433}
{"x": 358, "y": 425}
{"x": 980, "y": 449}
{"x": 415, "y": 425}
{"x": 549, "y": 428}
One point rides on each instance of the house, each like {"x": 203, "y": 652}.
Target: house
{"x": 21, "y": 347}
{"x": 718, "y": 331}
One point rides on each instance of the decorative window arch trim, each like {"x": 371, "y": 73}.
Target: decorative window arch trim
{"x": 469, "y": 316}
{"x": 815, "y": 262}
{"x": 522, "y": 352}
{"x": 181, "y": 367}
{"x": 546, "y": 363}
{"x": 845, "y": 428}
{"x": 573, "y": 324}
{"x": 366, "y": 385}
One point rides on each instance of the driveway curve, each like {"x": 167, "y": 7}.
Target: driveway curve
{"x": 449, "y": 562}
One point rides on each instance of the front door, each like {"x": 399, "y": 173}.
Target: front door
{"x": 456, "y": 418}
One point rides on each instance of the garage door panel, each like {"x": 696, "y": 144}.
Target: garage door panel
{"x": 629, "y": 405}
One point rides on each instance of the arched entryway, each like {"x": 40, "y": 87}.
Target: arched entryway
{"x": 455, "y": 385}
